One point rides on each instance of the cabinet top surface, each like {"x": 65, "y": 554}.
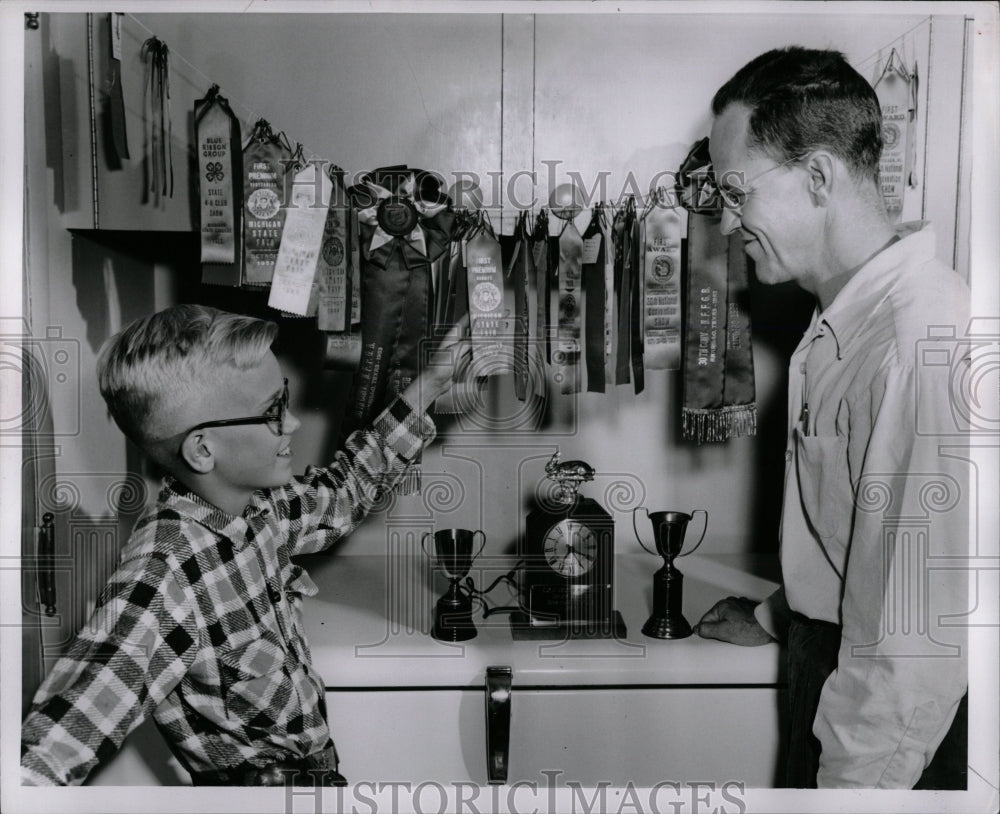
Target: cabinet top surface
{"x": 369, "y": 626}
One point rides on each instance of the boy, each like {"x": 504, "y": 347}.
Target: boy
{"x": 200, "y": 625}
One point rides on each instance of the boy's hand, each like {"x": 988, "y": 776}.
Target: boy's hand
{"x": 439, "y": 372}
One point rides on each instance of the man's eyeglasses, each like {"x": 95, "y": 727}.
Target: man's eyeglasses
{"x": 274, "y": 417}
{"x": 735, "y": 197}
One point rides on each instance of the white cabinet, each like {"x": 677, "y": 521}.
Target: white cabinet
{"x": 405, "y": 708}
{"x": 612, "y": 735}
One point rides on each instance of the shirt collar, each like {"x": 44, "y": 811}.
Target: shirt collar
{"x": 856, "y": 301}
{"x": 175, "y": 495}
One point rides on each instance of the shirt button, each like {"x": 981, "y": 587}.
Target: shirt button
{"x": 788, "y": 455}
{"x": 273, "y": 594}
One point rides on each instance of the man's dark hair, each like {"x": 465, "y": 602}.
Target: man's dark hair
{"x": 801, "y": 99}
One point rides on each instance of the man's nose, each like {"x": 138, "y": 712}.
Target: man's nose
{"x": 730, "y": 221}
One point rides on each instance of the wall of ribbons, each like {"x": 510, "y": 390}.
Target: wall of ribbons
{"x": 350, "y": 173}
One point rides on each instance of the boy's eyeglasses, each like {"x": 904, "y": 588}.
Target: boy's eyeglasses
{"x": 736, "y": 197}
{"x": 274, "y": 417}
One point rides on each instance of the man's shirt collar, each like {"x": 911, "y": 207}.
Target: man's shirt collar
{"x": 859, "y": 298}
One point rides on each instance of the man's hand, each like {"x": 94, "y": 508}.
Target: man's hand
{"x": 732, "y": 620}
{"x": 440, "y": 368}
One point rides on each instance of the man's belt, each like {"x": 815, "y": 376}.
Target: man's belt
{"x": 318, "y": 769}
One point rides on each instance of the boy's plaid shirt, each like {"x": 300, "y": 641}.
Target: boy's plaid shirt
{"x": 200, "y": 625}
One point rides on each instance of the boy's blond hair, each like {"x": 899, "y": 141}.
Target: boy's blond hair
{"x": 151, "y": 368}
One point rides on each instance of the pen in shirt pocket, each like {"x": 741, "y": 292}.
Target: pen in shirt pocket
{"x": 804, "y": 418}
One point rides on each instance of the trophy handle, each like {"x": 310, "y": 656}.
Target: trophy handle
{"x": 423, "y": 544}
{"x": 481, "y": 547}
{"x": 705, "y": 529}
{"x": 635, "y": 528}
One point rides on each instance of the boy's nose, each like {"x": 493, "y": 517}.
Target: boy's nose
{"x": 291, "y": 423}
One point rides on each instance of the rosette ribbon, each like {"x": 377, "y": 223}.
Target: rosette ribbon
{"x": 405, "y": 224}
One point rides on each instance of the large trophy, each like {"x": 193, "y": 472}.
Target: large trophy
{"x": 667, "y": 620}
{"x": 453, "y": 612}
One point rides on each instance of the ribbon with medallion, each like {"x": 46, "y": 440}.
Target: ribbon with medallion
{"x": 220, "y": 202}
{"x": 266, "y": 161}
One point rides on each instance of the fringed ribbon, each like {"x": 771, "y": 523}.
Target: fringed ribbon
{"x": 159, "y": 153}
{"x": 719, "y": 395}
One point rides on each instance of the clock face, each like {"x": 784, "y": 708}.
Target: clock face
{"x": 570, "y": 548}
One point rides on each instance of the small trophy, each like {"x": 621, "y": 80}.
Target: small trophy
{"x": 667, "y": 620}
{"x": 453, "y": 612}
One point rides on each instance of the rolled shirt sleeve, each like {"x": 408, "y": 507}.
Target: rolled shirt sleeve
{"x": 327, "y": 503}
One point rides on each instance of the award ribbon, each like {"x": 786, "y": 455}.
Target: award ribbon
{"x": 298, "y": 254}
{"x": 119, "y": 133}
{"x": 401, "y": 235}
{"x": 662, "y": 290}
{"x": 490, "y": 312}
{"x": 521, "y": 262}
{"x": 896, "y": 92}
{"x": 265, "y": 161}
{"x": 636, "y": 256}
{"x": 160, "y": 157}
{"x": 343, "y": 350}
{"x": 718, "y": 365}
{"x": 567, "y": 355}
{"x": 609, "y": 301}
{"x": 594, "y": 300}
{"x": 623, "y": 289}
{"x": 541, "y": 254}
{"x": 333, "y": 278}
{"x": 453, "y": 304}
{"x": 217, "y": 135}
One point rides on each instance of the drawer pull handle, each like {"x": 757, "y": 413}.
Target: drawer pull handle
{"x": 45, "y": 563}
{"x": 498, "y": 696}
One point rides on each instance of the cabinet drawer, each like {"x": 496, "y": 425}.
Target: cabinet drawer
{"x": 586, "y": 735}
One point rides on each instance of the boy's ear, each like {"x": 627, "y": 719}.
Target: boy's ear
{"x": 197, "y": 453}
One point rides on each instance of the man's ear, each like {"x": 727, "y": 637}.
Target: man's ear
{"x": 821, "y": 168}
{"x": 196, "y": 452}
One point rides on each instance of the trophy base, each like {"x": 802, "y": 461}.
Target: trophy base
{"x": 454, "y": 631}
{"x": 524, "y": 628}
{"x": 453, "y": 620}
{"x": 661, "y": 627}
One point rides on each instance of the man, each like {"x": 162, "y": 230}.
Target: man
{"x": 876, "y": 668}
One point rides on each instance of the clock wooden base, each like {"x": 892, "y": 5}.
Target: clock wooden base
{"x": 522, "y": 628}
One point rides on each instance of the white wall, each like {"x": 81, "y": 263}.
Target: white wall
{"x": 612, "y": 93}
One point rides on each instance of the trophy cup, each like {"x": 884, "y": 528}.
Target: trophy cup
{"x": 453, "y": 612}
{"x": 667, "y": 620}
